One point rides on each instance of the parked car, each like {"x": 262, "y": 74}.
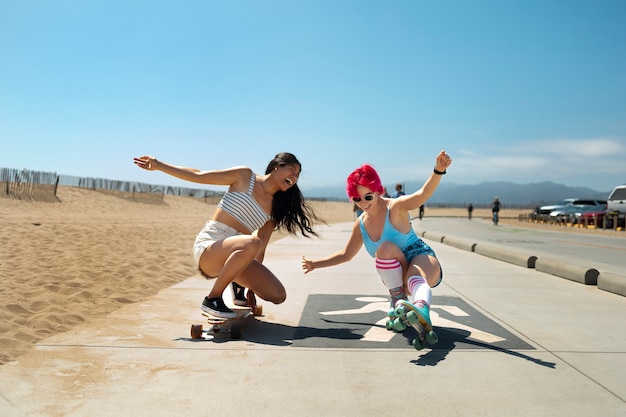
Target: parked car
{"x": 596, "y": 218}
{"x": 579, "y": 206}
{"x": 571, "y": 213}
{"x": 559, "y": 205}
{"x": 617, "y": 199}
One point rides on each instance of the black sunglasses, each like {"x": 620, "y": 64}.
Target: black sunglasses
{"x": 368, "y": 197}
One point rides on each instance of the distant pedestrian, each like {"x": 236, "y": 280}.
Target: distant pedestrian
{"x": 495, "y": 210}
{"x": 421, "y": 212}
{"x": 399, "y": 191}
{"x": 385, "y": 193}
{"x": 470, "y": 209}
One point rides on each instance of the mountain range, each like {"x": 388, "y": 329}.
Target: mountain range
{"x": 451, "y": 194}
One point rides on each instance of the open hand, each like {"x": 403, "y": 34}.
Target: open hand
{"x": 145, "y": 162}
{"x": 307, "y": 265}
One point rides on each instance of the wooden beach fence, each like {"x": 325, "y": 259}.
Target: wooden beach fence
{"x": 42, "y": 186}
{"x": 28, "y": 185}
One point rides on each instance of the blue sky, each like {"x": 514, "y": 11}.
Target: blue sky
{"x": 522, "y": 91}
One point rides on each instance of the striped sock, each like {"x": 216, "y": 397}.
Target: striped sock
{"x": 390, "y": 271}
{"x": 420, "y": 291}
{"x": 396, "y": 295}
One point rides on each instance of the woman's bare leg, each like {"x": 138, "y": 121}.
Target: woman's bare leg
{"x": 425, "y": 266}
{"x": 262, "y": 282}
{"x": 227, "y": 258}
{"x": 233, "y": 259}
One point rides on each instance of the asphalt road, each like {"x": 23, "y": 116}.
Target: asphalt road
{"x": 601, "y": 250}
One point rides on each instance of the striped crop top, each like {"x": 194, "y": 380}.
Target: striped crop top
{"x": 244, "y": 208}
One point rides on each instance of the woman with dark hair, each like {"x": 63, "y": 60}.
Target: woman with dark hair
{"x": 405, "y": 264}
{"x": 231, "y": 246}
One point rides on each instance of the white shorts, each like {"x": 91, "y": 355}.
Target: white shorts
{"x": 211, "y": 232}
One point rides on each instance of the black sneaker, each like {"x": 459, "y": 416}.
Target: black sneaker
{"x": 239, "y": 296}
{"x": 216, "y": 307}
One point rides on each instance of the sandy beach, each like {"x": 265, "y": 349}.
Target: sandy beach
{"x": 92, "y": 252}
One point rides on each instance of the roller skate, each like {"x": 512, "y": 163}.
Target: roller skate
{"x": 396, "y": 294}
{"x": 418, "y": 316}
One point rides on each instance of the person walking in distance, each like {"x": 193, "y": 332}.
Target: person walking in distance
{"x": 231, "y": 246}
{"x": 405, "y": 264}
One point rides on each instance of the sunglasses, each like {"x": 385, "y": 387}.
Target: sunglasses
{"x": 368, "y": 197}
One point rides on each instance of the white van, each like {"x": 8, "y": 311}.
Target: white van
{"x": 617, "y": 199}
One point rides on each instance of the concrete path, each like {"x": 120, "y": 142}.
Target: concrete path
{"x": 513, "y": 342}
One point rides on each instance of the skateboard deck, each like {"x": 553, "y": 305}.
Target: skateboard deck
{"x": 404, "y": 315}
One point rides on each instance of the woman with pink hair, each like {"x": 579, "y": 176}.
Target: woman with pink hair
{"x": 404, "y": 262}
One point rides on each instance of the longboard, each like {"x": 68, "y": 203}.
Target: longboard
{"x": 219, "y": 325}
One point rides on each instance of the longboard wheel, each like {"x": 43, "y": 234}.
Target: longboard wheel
{"x": 196, "y": 331}
{"x": 235, "y": 332}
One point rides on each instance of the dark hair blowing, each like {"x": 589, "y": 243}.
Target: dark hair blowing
{"x": 289, "y": 209}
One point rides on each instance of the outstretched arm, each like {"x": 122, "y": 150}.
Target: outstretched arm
{"x": 344, "y": 255}
{"x": 217, "y": 177}
{"x": 413, "y": 201}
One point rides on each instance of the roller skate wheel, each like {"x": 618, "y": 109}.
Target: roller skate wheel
{"x": 400, "y": 311}
{"x": 389, "y": 324}
{"x": 412, "y": 317}
{"x": 417, "y": 344}
{"x": 431, "y": 337}
{"x": 399, "y": 325}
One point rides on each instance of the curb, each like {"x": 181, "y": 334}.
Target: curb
{"x": 611, "y": 282}
{"x": 587, "y": 276}
{"x": 507, "y": 255}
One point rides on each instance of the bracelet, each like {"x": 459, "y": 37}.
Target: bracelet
{"x": 439, "y": 172}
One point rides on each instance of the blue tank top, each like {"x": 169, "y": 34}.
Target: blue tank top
{"x": 390, "y": 234}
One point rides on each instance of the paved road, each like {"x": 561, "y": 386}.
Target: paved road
{"x": 593, "y": 250}
{"x": 590, "y": 258}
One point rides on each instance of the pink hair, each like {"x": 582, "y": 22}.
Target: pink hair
{"x": 366, "y": 176}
